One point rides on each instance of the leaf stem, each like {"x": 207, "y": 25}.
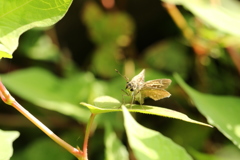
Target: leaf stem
{"x": 86, "y": 138}
{"x": 8, "y": 99}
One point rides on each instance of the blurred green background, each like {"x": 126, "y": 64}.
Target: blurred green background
{"x": 56, "y": 68}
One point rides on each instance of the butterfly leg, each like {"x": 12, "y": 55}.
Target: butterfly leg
{"x": 133, "y": 98}
{"x": 141, "y": 101}
{"x": 123, "y": 100}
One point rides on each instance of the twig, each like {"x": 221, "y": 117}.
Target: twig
{"x": 235, "y": 57}
{"x": 180, "y": 21}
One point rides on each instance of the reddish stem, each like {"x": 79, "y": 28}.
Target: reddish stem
{"x": 8, "y": 99}
{"x": 88, "y": 130}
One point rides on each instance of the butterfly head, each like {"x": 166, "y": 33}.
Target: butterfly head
{"x": 131, "y": 86}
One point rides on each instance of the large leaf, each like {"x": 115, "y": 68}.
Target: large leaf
{"x": 106, "y": 104}
{"x": 114, "y": 148}
{"x": 149, "y": 144}
{"x": 220, "y": 111}
{"x": 6, "y": 139}
{"x": 45, "y": 149}
{"x": 224, "y": 15}
{"x": 44, "y": 89}
{"x": 18, "y": 16}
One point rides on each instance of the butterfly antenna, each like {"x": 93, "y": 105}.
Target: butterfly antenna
{"x": 122, "y": 75}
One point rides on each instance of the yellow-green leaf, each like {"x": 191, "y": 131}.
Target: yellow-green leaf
{"x": 106, "y": 104}
{"x": 18, "y": 16}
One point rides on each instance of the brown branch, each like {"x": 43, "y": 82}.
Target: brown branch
{"x": 235, "y": 55}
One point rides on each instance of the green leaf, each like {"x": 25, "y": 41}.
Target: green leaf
{"x": 46, "y": 149}
{"x": 224, "y": 15}
{"x": 115, "y": 150}
{"x": 97, "y": 21}
{"x": 160, "y": 54}
{"x": 43, "y": 48}
{"x": 103, "y": 54}
{"x": 187, "y": 134}
{"x": 220, "y": 111}
{"x": 6, "y": 139}
{"x": 201, "y": 156}
{"x": 106, "y": 104}
{"x": 18, "y": 16}
{"x": 44, "y": 89}
{"x": 228, "y": 151}
{"x": 149, "y": 144}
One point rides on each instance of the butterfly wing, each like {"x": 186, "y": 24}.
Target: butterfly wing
{"x": 139, "y": 78}
{"x": 157, "y": 84}
{"x": 137, "y": 82}
{"x": 155, "y": 94}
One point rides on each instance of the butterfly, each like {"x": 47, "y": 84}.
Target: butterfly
{"x": 138, "y": 89}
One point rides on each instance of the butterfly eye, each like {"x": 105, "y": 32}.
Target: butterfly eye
{"x": 130, "y": 87}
